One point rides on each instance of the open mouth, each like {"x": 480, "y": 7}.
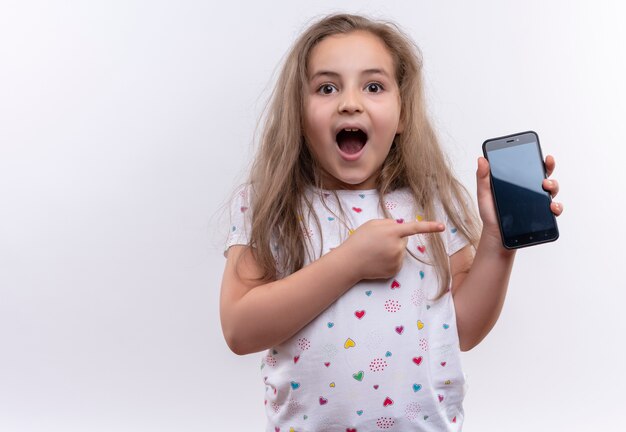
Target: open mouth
{"x": 351, "y": 141}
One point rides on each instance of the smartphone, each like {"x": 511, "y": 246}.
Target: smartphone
{"x": 522, "y": 205}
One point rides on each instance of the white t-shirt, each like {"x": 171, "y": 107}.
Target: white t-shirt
{"x": 384, "y": 356}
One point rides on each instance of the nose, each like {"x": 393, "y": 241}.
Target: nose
{"x": 350, "y": 101}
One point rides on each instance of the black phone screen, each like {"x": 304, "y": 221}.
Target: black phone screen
{"x": 523, "y": 206}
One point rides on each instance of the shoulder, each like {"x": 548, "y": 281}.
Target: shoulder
{"x": 242, "y": 201}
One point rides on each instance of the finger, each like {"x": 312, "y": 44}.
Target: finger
{"x": 482, "y": 177}
{"x": 557, "y": 208}
{"x": 418, "y": 227}
{"x": 550, "y": 164}
{"x": 483, "y": 168}
{"x": 551, "y": 186}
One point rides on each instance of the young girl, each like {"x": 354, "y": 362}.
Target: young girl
{"x": 354, "y": 257}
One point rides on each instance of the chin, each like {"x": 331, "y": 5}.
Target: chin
{"x": 358, "y": 183}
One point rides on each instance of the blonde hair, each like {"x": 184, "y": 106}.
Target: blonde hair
{"x": 284, "y": 168}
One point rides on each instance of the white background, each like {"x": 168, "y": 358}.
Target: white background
{"x": 124, "y": 127}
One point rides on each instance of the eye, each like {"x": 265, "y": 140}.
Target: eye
{"x": 326, "y": 89}
{"x": 374, "y": 88}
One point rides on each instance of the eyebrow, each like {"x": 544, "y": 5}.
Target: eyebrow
{"x": 336, "y": 75}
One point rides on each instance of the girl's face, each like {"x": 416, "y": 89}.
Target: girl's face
{"x": 351, "y": 109}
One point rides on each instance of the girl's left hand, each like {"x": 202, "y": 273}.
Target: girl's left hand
{"x": 552, "y": 186}
{"x": 486, "y": 206}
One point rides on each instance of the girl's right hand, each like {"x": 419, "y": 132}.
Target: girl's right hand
{"x": 378, "y": 246}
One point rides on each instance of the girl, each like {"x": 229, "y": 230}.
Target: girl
{"x": 354, "y": 257}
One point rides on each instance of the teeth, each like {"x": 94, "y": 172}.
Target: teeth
{"x": 351, "y": 130}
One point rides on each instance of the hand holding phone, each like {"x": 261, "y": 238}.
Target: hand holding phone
{"x": 521, "y": 203}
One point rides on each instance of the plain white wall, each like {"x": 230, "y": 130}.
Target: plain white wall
{"x": 125, "y": 125}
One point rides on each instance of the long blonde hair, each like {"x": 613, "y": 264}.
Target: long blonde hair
{"x": 284, "y": 168}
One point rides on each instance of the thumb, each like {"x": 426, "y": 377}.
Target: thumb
{"x": 482, "y": 178}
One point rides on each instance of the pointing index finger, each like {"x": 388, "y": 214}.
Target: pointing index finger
{"x": 419, "y": 227}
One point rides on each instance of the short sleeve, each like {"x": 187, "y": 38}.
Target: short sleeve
{"x": 239, "y": 227}
{"x": 454, "y": 240}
